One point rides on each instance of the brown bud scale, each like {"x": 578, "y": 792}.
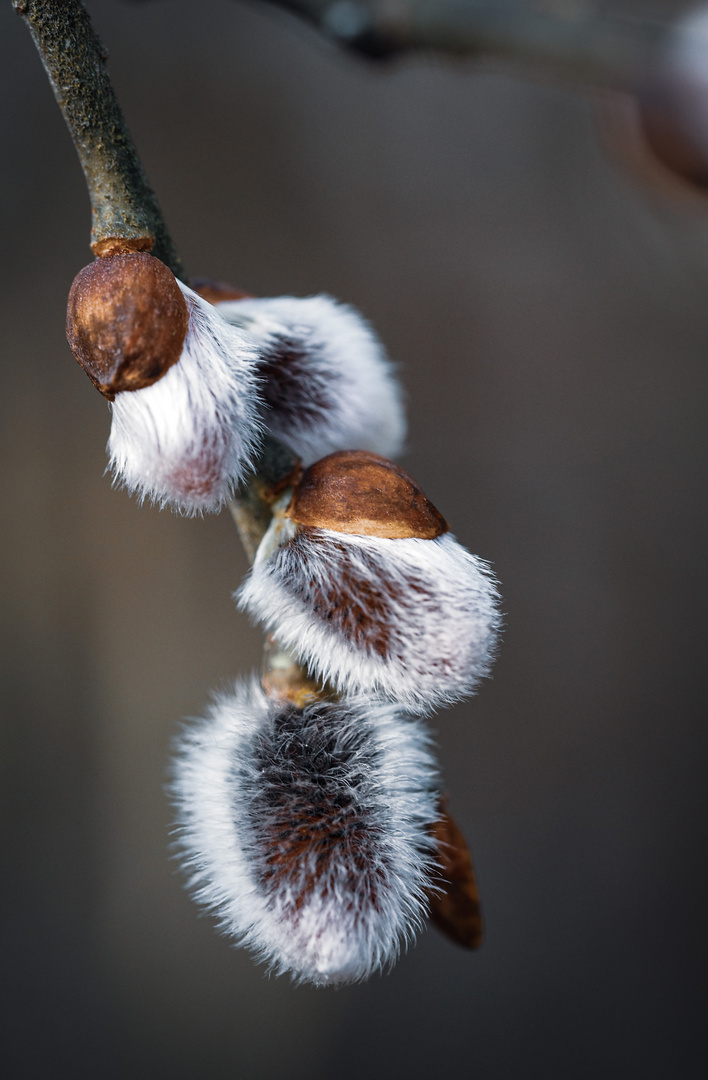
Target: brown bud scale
{"x": 353, "y": 491}
{"x": 457, "y": 913}
{"x": 126, "y": 321}
{"x": 120, "y": 245}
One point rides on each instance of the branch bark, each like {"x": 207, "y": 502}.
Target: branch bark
{"x": 125, "y": 213}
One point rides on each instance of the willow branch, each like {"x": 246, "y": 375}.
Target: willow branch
{"x": 275, "y": 470}
{"x": 126, "y": 217}
{"x": 125, "y": 213}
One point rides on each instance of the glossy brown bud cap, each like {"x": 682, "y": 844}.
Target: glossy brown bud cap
{"x": 457, "y": 912}
{"x": 216, "y": 291}
{"x": 126, "y": 321}
{"x": 354, "y": 491}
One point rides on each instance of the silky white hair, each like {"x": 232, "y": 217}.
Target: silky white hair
{"x": 307, "y": 831}
{"x": 187, "y": 440}
{"x": 327, "y": 382}
{"x": 415, "y": 621}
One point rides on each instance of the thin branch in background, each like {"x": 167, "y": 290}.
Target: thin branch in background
{"x": 589, "y": 47}
{"x": 125, "y": 213}
{"x": 658, "y": 119}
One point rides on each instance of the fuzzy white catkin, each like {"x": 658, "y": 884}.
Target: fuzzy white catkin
{"x": 306, "y": 831}
{"x": 415, "y": 621}
{"x": 187, "y": 440}
{"x": 327, "y": 382}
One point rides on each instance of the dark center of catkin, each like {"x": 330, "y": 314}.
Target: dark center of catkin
{"x": 357, "y": 603}
{"x": 288, "y": 387}
{"x": 311, "y": 813}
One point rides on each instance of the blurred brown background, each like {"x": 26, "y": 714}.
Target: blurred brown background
{"x": 551, "y": 322}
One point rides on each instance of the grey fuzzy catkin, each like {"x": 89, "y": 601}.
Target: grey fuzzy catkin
{"x": 306, "y": 831}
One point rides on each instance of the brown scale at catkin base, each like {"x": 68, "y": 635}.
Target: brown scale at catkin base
{"x": 126, "y": 321}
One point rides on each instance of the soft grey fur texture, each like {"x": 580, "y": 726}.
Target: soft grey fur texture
{"x": 327, "y": 382}
{"x": 414, "y": 621}
{"x": 187, "y": 440}
{"x": 307, "y": 831}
